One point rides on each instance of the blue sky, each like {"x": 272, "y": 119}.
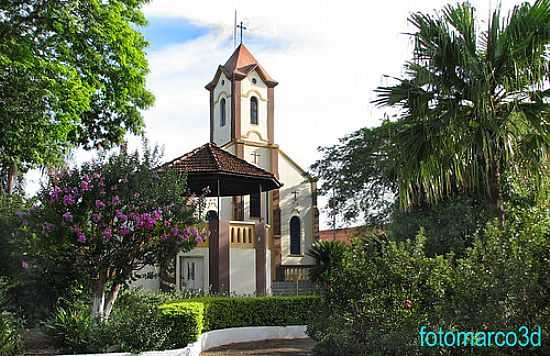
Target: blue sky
{"x": 161, "y": 32}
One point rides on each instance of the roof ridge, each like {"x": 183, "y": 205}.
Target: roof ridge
{"x": 214, "y": 157}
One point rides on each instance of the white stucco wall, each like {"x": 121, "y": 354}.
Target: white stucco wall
{"x": 201, "y": 252}
{"x": 242, "y": 278}
{"x": 251, "y": 132}
{"x": 294, "y": 180}
{"x": 222, "y": 135}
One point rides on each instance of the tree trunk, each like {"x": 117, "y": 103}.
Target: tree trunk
{"x": 115, "y": 289}
{"x": 497, "y": 198}
{"x": 98, "y": 299}
{"x": 12, "y": 171}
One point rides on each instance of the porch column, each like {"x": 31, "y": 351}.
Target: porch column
{"x": 260, "y": 247}
{"x": 218, "y": 255}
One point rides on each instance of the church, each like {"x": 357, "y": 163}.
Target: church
{"x": 268, "y": 233}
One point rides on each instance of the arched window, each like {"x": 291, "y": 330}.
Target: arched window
{"x": 222, "y": 112}
{"x": 254, "y": 110}
{"x": 295, "y": 236}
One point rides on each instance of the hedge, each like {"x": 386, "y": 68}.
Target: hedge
{"x": 190, "y": 318}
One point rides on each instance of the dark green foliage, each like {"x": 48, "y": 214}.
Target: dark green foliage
{"x": 231, "y": 312}
{"x": 449, "y": 226}
{"x": 147, "y": 321}
{"x": 473, "y": 103}
{"x": 71, "y": 73}
{"x": 359, "y": 173}
{"x": 70, "y": 326}
{"x": 10, "y": 335}
{"x": 10, "y": 327}
{"x": 328, "y": 256}
{"x": 386, "y": 290}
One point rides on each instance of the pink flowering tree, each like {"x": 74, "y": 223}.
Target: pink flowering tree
{"x": 112, "y": 217}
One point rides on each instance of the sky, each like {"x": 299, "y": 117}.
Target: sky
{"x": 328, "y": 57}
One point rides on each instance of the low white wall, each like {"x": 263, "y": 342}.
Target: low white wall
{"x": 222, "y": 337}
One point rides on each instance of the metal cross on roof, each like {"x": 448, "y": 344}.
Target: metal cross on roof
{"x": 242, "y": 27}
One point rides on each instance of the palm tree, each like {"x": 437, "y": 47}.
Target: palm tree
{"x": 474, "y": 103}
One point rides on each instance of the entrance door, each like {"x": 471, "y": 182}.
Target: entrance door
{"x": 191, "y": 276}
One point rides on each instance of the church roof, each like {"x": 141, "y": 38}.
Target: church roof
{"x": 239, "y": 65}
{"x": 208, "y": 163}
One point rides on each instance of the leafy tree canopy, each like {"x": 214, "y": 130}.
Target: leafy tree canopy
{"x": 71, "y": 73}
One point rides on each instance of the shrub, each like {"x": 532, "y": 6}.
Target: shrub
{"x": 211, "y": 313}
{"x": 185, "y": 321}
{"x": 10, "y": 327}
{"x": 70, "y": 326}
{"x": 10, "y": 335}
{"x": 386, "y": 290}
{"x": 328, "y": 256}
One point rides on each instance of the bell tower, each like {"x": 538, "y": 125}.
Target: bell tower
{"x": 242, "y": 103}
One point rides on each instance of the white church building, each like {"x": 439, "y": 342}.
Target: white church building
{"x": 267, "y": 234}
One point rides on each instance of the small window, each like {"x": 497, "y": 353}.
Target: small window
{"x": 295, "y": 236}
{"x": 254, "y": 110}
{"x": 222, "y": 112}
{"x": 254, "y": 81}
{"x": 223, "y": 82}
{"x": 255, "y": 211}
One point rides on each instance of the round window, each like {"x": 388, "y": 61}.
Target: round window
{"x": 254, "y": 80}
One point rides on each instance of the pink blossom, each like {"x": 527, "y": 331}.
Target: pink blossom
{"x": 54, "y": 193}
{"x": 81, "y": 237}
{"x": 107, "y": 234}
{"x": 68, "y": 217}
{"x": 96, "y": 217}
{"x": 124, "y": 230}
{"x": 115, "y": 200}
{"x": 85, "y": 186}
{"x": 174, "y": 231}
{"x": 157, "y": 214}
{"x": 121, "y": 216}
{"x": 69, "y": 199}
{"x": 24, "y": 264}
{"x": 99, "y": 204}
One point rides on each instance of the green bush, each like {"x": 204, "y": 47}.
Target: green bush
{"x": 211, "y": 313}
{"x": 143, "y": 321}
{"x": 10, "y": 335}
{"x": 70, "y": 326}
{"x": 185, "y": 322}
{"x": 10, "y": 326}
{"x": 328, "y": 256}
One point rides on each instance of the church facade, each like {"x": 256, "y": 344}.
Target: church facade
{"x": 242, "y": 123}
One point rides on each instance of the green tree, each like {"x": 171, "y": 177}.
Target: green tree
{"x": 71, "y": 73}
{"x": 474, "y": 104}
{"x": 359, "y": 173}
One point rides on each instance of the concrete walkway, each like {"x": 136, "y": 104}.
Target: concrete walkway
{"x": 282, "y": 347}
